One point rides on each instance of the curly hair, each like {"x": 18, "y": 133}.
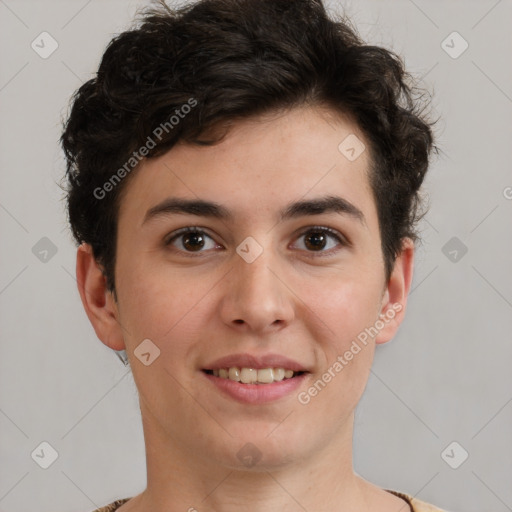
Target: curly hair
{"x": 233, "y": 59}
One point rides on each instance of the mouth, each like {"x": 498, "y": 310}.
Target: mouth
{"x": 256, "y": 376}
{"x": 256, "y": 386}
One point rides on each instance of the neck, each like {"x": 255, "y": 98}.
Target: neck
{"x": 179, "y": 479}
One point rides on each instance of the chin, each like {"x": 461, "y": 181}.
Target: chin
{"x": 263, "y": 450}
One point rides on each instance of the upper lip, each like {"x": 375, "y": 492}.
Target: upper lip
{"x": 256, "y": 362}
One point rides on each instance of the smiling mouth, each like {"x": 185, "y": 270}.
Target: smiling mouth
{"x": 253, "y": 375}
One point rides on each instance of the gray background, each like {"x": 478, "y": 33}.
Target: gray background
{"x": 445, "y": 377}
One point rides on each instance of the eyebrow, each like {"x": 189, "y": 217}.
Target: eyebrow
{"x": 202, "y": 208}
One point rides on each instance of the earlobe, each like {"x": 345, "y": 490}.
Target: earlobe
{"x": 97, "y": 300}
{"x": 394, "y": 300}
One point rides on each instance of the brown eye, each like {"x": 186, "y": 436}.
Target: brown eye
{"x": 315, "y": 240}
{"x": 191, "y": 240}
{"x": 321, "y": 240}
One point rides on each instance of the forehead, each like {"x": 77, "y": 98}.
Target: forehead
{"x": 262, "y": 163}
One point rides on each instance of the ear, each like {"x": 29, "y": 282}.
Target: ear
{"x": 98, "y": 301}
{"x": 394, "y": 299}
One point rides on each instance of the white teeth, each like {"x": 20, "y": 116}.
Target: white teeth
{"x": 248, "y": 375}
{"x": 234, "y": 374}
{"x": 266, "y": 376}
{"x": 279, "y": 374}
{"x": 254, "y": 376}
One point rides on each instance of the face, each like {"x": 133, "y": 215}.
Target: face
{"x": 265, "y": 250}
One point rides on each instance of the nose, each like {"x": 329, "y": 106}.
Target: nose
{"x": 256, "y": 298}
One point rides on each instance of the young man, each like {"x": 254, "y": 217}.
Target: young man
{"x": 243, "y": 184}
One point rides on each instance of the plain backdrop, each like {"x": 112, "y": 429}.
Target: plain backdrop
{"x": 436, "y": 417}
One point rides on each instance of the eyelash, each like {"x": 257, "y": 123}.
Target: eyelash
{"x": 331, "y": 232}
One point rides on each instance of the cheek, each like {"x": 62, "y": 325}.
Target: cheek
{"x": 345, "y": 306}
{"x": 340, "y": 312}
{"x": 162, "y": 304}
{"x": 338, "y": 322}
{"x": 165, "y": 310}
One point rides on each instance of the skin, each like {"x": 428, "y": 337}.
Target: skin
{"x": 306, "y": 304}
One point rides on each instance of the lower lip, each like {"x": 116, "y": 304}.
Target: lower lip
{"x": 256, "y": 393}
